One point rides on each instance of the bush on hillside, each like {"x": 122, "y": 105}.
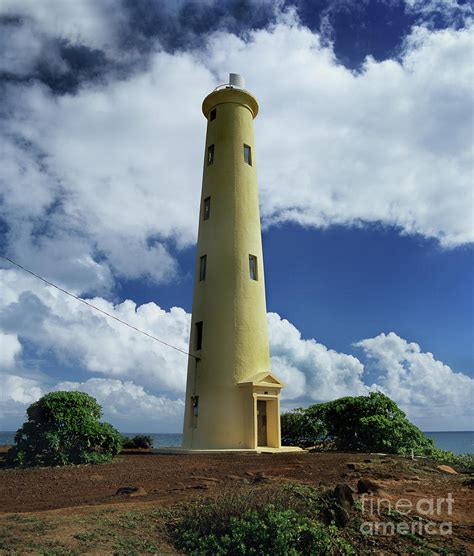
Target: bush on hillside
{"x": 276, "y": 520}
{"x": 372, "y": 423}
{"x": 138, "y": 441}
{"x": 64, "y": 428}
{"x": 299, "y": 427}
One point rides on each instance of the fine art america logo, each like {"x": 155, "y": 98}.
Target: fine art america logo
{"x": 422, "y": 517}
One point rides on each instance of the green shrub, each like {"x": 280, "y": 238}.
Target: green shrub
{"x": 300, "y": 428}
{"x": 273, "y": 520}
{"x": 138, "y": 441}
{"x": 64, "y": 428}
{"x": 267, "y": 532}
{"x": 372, "y": 423}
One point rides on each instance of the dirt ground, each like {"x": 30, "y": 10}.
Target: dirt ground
{"x": 63, "y": 507}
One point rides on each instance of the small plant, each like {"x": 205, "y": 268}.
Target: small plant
{"x": 87, "y": 536}
{"x": 138, "y": 441}
{"x": 132, "y": 546}
{"x": 64, "y": 428}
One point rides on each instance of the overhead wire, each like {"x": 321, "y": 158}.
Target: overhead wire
{"x": 49, "y": 283}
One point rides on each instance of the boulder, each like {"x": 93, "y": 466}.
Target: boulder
{"x": 447, "y": 469}
{"x": 131, "y": 491}
{"x": 261, "y": 477}
{"x": 368, "y": 485}
{"x": 343, "y": 496}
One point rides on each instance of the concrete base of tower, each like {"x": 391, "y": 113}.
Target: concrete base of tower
{"x": 176, "y": 450}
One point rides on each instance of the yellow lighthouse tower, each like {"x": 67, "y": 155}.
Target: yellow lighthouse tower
{"x": 232, "y": 398}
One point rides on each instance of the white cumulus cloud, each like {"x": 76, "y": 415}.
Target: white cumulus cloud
{"x": 309, "y": 368}
{"x": 78, "y": 335}
{"x": 130, "y": 407}
{"x": 429, "y": 390}
{"x": 10, "y": 347}
{"x": 87, "y": 22}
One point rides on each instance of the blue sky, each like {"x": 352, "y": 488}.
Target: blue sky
{"x": 363, "y": 144}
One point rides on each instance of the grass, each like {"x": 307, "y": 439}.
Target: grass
{"x": 131, "y": 520}
{"x": 125, "y": 546}
{"x": 87, "y": 536}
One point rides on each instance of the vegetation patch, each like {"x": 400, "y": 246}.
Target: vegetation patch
{"x": 64, "y": 428}
{"x": 280, "y": 520}
{"x": 143, "y": 441}
{"x": 372, "y": 423}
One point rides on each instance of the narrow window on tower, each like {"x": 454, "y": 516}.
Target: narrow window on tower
{"x": 198, "y": 337}
{"x": 247, "y": 155}
{"x": 207, "y": 208}
{"x": 202, "y": 268}
{"x": 213, "y": 114}
{"x": 253, "y": 267}
{"x": 194, "y": 410}
{"x": 210, "y": 155}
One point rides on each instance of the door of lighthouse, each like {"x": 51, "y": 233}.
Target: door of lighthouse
{"x": 262, "y": 423}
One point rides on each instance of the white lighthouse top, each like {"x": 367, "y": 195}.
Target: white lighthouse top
{"x": 236, "y": 80}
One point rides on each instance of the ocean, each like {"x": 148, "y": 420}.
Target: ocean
{"x": 459, "y": 442}
{"x": 159, "y": 439}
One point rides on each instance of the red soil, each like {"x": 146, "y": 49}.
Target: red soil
{"x": 170, "y": 479}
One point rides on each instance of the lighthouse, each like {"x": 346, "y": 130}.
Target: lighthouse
{"x": 232, "y": 397}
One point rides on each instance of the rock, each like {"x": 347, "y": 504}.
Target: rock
{"x": 344, "y": 503}
{"x": 131, "y": 491}
{"x": 234, "y": 477}
{"x": 207, "y": 479}
{"x": 343, "y": 494}
{"x": 447, "y": 469}
{"x": 249, "y": 473}
{"x": 261, "y": 477}
{"x": 367, "y": 485}
{"x": 341, "y": 516}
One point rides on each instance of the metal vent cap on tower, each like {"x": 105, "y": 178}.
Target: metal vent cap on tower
{"x": 236, "y": 80}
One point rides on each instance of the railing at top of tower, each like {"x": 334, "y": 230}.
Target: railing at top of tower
{"x": 226, "y": 86}
{"x": 236, "y": 81}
